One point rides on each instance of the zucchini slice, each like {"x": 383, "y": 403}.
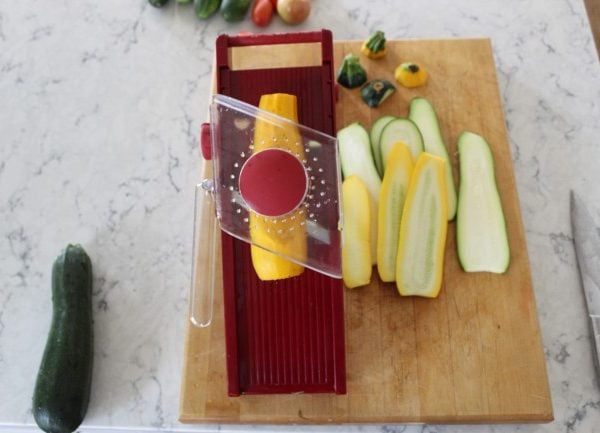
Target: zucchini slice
{"x": 375, "y": 136}
{"x": 391, "y": 202}
{"x": 481, "y": 236}
{"x": 422, "y": 113}
{"x": 420, "y": 260}
{"x": 403, "y": 130}
{"x": 356, "y": 158}
{"x": 356, "y": 236}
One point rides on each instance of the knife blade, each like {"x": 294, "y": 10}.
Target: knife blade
{"x": 586, "y": 237}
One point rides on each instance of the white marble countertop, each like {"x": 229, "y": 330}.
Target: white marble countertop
{"x": 101, "y": 106}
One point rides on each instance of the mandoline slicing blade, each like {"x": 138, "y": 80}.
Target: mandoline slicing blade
{"x": 283, "y": 336}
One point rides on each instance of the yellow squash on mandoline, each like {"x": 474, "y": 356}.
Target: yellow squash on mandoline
{"x": 286, "y": 235}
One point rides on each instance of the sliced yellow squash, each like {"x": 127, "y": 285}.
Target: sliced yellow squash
{"x": 286, "y": 236}
{"x": 420, "y": 260}
{"x": 394, "y": 187}
{"x": 356, "y": 237}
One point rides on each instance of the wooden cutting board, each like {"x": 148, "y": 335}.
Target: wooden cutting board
{"x": 474, "y": 354}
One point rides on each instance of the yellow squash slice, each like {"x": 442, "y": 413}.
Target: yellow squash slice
{"x": 356, "y": 237}
{"x": 394, "y": 187}
{"x": 285, "y": 236}
{"x": 420, "y": 260}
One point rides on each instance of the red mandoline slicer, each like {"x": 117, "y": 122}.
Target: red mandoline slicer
{"x": 283, "y": 336}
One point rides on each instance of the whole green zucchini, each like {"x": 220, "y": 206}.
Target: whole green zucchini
{"x": 205, "y": 8}
{"x": 63, "y": 385}
{"x": 234, "y": 10}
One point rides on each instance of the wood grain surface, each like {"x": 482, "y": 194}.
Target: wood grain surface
{"x": 592, "y": 8}
{"x": 474, "y": 354}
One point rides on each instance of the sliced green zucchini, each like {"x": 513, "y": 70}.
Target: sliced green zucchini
{"x": 391, "y": 202}
{"x": 356, "y": 237}
{"x": 420, "y": 260}
{"x": 403, "y": 130}
{"x": 356, "y": 158}
{"x": 481, "y": 236}
{"x": 375, "y": 135}
{"x": 422, "y": 113}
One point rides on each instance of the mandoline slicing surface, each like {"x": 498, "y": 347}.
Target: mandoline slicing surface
{"x": 282, "y": 336}
{"x": 474, "y": 354}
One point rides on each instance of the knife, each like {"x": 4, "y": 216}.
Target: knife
{"x": 586, "y": 236}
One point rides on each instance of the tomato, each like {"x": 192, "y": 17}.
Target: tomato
{"x": 262, "y": 12}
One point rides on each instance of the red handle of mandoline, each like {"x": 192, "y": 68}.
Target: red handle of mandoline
{"x": 205, "y": 141}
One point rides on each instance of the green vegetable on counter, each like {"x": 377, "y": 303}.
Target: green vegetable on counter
{"x": 64, "y": 379}
{"x": 158, "y": 3}
{"x": 376, "y": 91}
{"x": 205, "y": 8}
{"x": 351, "y": 74}
{"x": 234, "y": 10}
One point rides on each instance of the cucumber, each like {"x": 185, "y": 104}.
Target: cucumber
{"x": 356, "y": 251}
{"x": 356, "y": 158}
{"x": 403, "y": 130}
{"x": 422, "y": 113}
{"x": 205, "y": 8}
{"x": 481, "y": 236}
{"x": 423, "y": 229}
{"x": 375, "y": 135}
{"x": 63, "y": 384}
{"x": 234, "y": 10}
{"x": 391, "y": 203}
